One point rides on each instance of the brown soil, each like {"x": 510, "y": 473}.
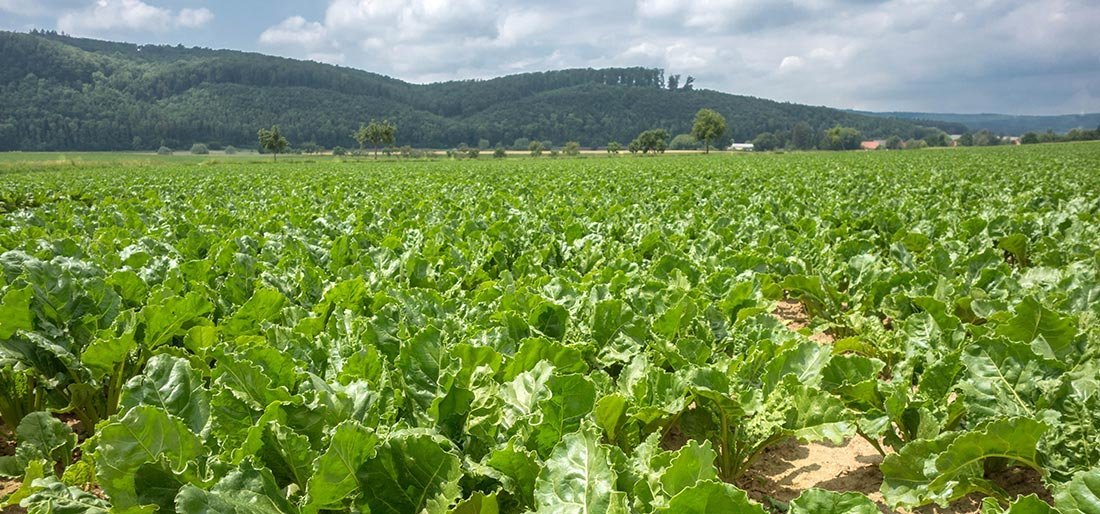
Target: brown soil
{"x": 7, "y": 487}
{"x": 793, "y": 314}
{"x": 783, "y": 472}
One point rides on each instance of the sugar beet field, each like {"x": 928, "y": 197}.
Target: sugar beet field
{"x": 806, "y": 333}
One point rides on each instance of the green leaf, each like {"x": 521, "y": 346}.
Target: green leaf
{"x": 550, "y": 319}
{"x": 608, "y": 319}
{"x": 564, "y": 358}
{"x": 411, "y": 472}
{"x": 519, "y": 469}
{"x": 265, "y": 305}
{"x": 577, "y": 478}
{"x": 1081, "y": 495}
{"x": 171, "y": 384}
{"x": 145, "y": 435}
{"x": 53, "y": 497}
{"x": 1049, "y": 333}
{"x": 1006, "y": 378}
{"x": 31, "y": 473}
{"x": 711, "y": 498}
{"x": 246, "y": 490}
{"x": 286, "y": 453}
{"x": 691, "y": 464}
{"x": 422, "y": 360}
{"x": 805, "y": 361}
{"x": 163, "y": 321}
{"x": 335, "y": 476}
{"x": 820, "y": 501}
{"x": 1015, "y": 244}
{"x": 1029, "y": 504}
{"x": 572, "y": 398}
{"x": 477, "y": 503}
{"x": 45, "y": 437}
{"x": 951, "y": 466}
{"x": 15, "y": 312}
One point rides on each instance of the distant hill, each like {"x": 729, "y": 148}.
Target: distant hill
{"x": 1007, "y": 124}
{"x": 64, "y": 93}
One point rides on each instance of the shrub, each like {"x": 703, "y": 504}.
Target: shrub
{"x": 572, "y": 149}
{"x": 684, "y": 142}
{"x": 164, "y": 150}
{"x": 199, "y": 149}
{"x": 339, "y": 151}
{"x": 230, "y": 150}
{"x": 500, "y": 153}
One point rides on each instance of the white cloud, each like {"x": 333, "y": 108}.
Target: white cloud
{"x": 132, "y": 15}
{"x": 194, "y": 18}
{"x": 295, "y": 31}
{"x": 791, "y": 63}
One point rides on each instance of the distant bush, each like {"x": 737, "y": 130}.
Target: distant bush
{"x": 500, "y": 153}
{"x": 230, "y": 150}
{"x": 164, "y": 150}
{"x": 915, "y": 144}
{"x": 554, "y": 153}
{"x": 572, "y": 148}
{"x": 684, "y": 142}
{"x": 339, "y": 151}
{"x": 535, "y": 148}
{"x": 473, "y": 153}
{"x": 521, "y": 144}
{"x": 841, "y": 138}
{"x": 199, "y": 149}
{"x": 406, "y": 151}
{"x": 765, "y": 142}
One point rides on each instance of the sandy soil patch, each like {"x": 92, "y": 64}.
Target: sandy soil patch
{"x": 793, "y": 314}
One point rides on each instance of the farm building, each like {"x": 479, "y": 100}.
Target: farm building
{"x": 872, "y": 145}
{"x": 741, "y": 147}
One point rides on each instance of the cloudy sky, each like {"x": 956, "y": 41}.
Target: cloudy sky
{"x": 1011, "y": 56}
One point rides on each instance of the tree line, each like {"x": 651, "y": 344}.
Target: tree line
{"x": 63, "y": 93}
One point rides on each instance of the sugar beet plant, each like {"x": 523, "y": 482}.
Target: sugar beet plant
{"x": 570, "y": 336}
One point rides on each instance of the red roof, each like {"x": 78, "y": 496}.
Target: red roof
{"x": 870, "y": 145}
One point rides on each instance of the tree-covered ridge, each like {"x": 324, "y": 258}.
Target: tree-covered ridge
{"x": 64, "y": 93}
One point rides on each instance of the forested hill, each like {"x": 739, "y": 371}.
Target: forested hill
{"x": 64, "y": 93}
{"x": 1009, "y": 124}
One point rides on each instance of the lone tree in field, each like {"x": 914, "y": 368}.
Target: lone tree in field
{"x": 378, "y": 134}
{"x": 655, "y": 141}
{"x": 709, "y": 127}
{"x": 272, "y": 141}
{"x": 613, "y": 148}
